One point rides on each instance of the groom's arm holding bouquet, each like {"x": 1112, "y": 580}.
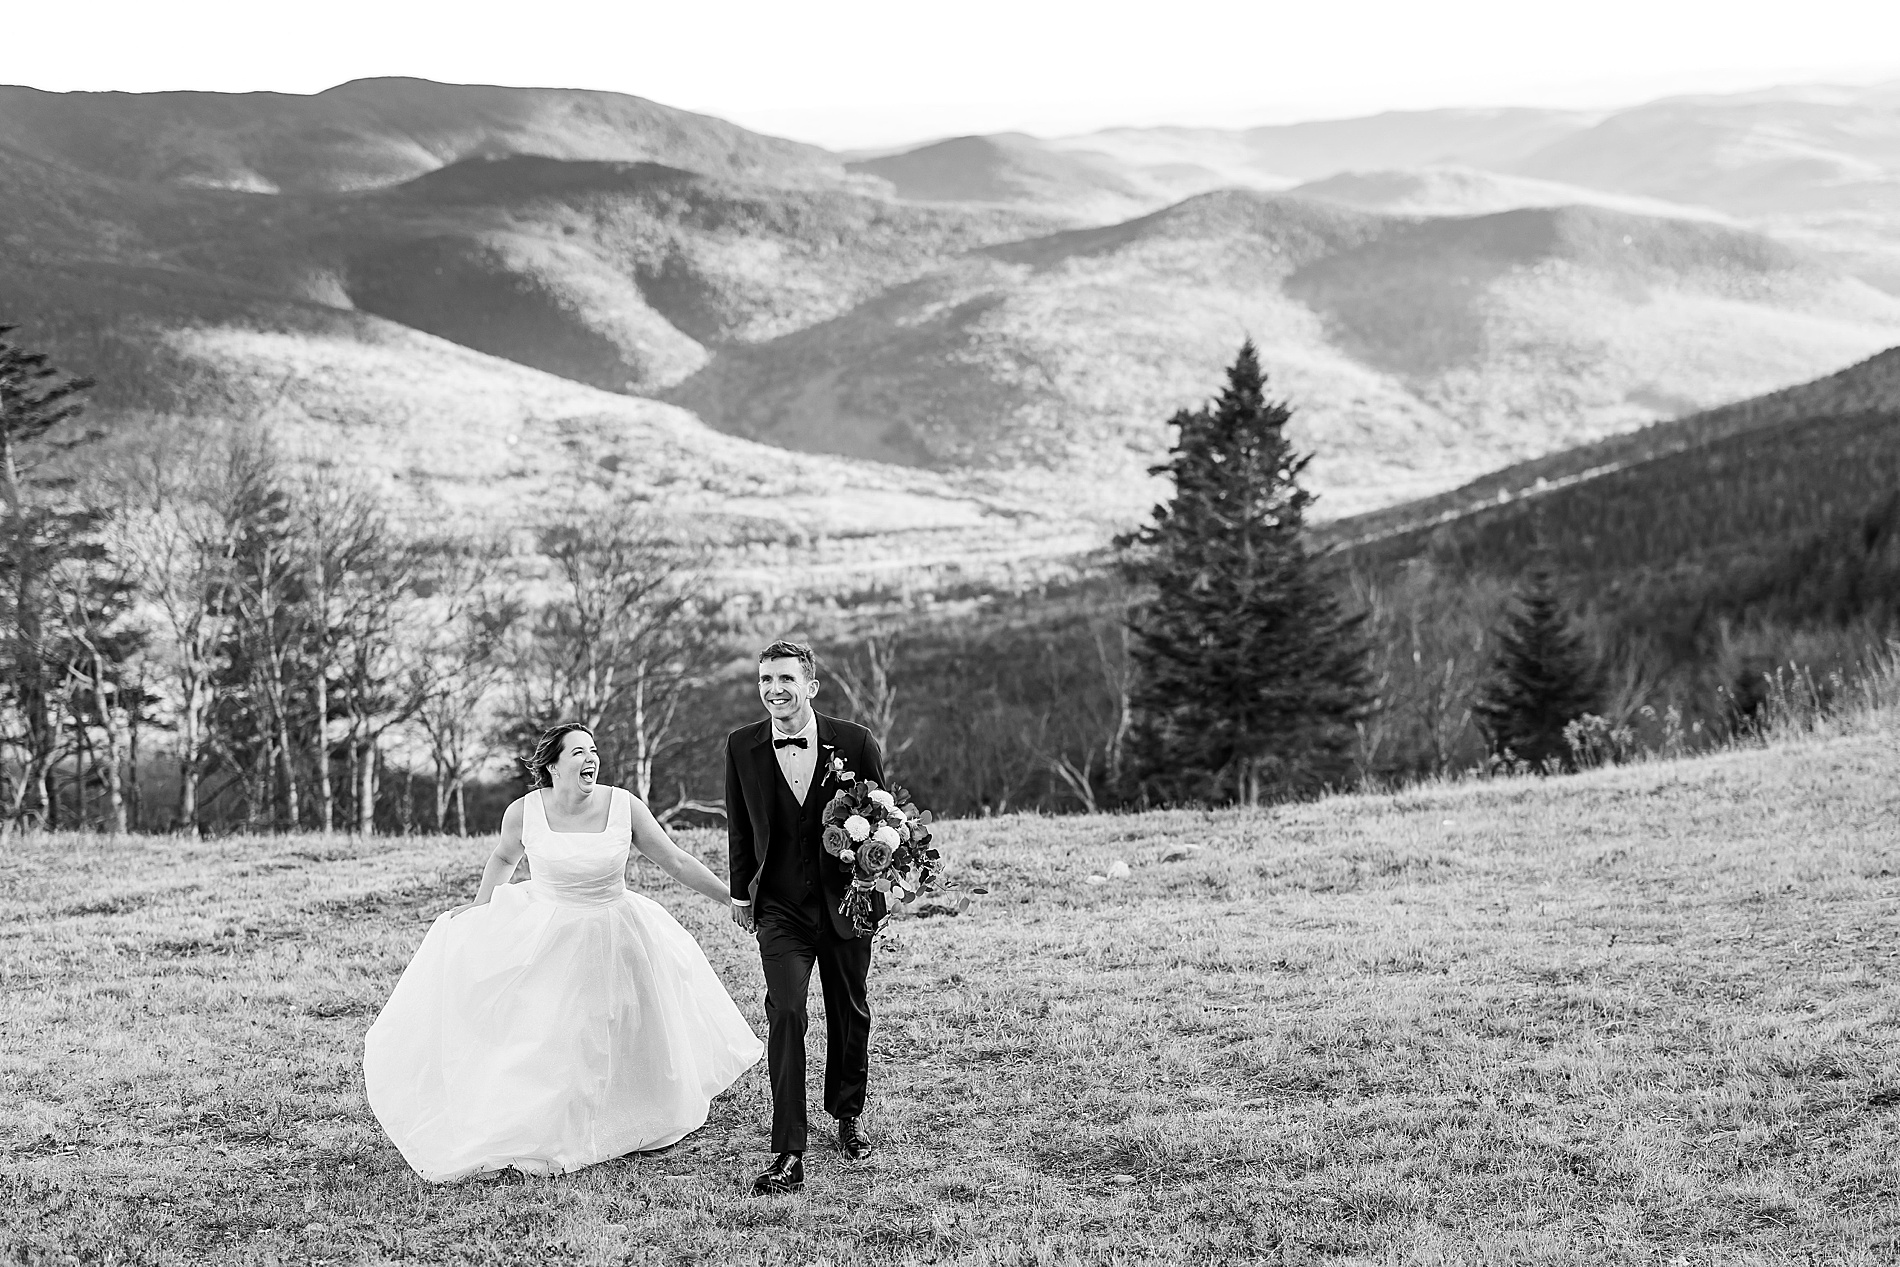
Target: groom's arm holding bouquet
{"x": 858, "y": 752}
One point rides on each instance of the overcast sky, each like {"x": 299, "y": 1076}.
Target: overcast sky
{"x": 871, "y": 72}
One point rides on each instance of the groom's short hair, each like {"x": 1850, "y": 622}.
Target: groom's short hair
{"x": 784, "y": 650}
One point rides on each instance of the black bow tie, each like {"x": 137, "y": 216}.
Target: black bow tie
{"x": 797, "y": 741}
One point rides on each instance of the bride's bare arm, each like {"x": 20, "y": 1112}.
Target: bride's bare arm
{"x": 501, "y": 862}
{"x": 651, "y": 839}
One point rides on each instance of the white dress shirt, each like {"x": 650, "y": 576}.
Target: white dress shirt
{"x": 795, "y": 763}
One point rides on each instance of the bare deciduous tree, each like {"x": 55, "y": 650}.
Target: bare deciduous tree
{"x": 96, "y": 589}
{"x": 1429, "y": 642}
{"x": 358, "y": 578}
{"x": 458, "y": 665}
{"x": 372, "y": 617}
{"x": 35, "y": 400}
{"x": 871, "y": 690}
{"x": 1080, "y": 736}
{"x": 623, "y": 637}
{"x": 171, "y": 529}
{"x": 266, "y": 596}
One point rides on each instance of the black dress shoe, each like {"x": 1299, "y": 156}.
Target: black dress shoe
{"x": 785, "y": 1174}
{"x": 852, "y": 1141}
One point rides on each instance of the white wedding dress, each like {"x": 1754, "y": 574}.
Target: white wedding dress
{"x": 565, "y": 1022}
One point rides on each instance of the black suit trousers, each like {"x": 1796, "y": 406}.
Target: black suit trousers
{"x": 793, "y": 936}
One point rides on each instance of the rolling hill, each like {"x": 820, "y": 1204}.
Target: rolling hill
{"x": 1869, "y": 389}
{"x": 1468, "y": 191}
{"x": 194, "y": 305}
{"x": 621, "y": 275}
{"x": 1014, "y": 169}
{"x": 1797, "y": 524}
{"x": 1780, "y": 150}
{"x": 1286, "y": 154}
{"x": 375, "y": 132}
{"x": 1715, "y": 559}
{"x": 1121, "y": 172}
{"x": 398, "y": 267}
{"x": 1817, "y": 166}
{"x": 1417, "y": 352}
{"x": 1792, "y": 150}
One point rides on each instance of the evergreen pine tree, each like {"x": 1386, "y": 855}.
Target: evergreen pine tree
{"x": 35, "y": 397}
{"x": 36, "y": 537}
{"x": 1249, "y": 679}
{"x": 1542, "y": 679}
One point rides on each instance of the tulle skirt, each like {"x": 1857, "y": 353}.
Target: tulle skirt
{"x": 547, "y": 1037}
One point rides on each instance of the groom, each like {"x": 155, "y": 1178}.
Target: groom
{"x": 779, "y": 775}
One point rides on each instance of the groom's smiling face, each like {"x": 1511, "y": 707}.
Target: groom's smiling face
{"x": 786, "y": 688}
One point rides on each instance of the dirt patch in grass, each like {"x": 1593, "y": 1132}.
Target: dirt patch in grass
{"x": 414, "y": 900}
{"x": 121, "y": 904}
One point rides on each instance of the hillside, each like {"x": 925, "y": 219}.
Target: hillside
{"x": 1780, "y": 150}
{"x": 620, "y": 275}
{"x": 1012, "y": 168}
{"x": 1815, "y": 166}
{"x": 314, "y": 314}
{"x": 1468, "y": 191}
{"x": 1286, "y": 154}
{"x": 1713, "y": 563}
{"x": 1795, "y": 525}
{"x": 1798, "y": 150}
{"x": 386, "y": 256}
{"x": 176, "y": 346}
{"x": 376, "y": 132}
{"x": 1120, "y": 172}
{"x": 1870, "y": 388}
{"x": 486, "y": 440}
{"x": 1801, "y": 149}
{"x": 1636, "y": 1016}
{"x": 1417, "y": 353}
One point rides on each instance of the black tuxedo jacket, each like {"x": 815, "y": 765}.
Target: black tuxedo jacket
{"x": 752, "y": 768}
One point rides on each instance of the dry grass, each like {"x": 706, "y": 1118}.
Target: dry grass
{"x": 1644, "y": 1015}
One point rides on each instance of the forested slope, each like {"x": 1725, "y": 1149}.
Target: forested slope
{"x": 1868, "y": 387}
{"x": 1794, "y": 523}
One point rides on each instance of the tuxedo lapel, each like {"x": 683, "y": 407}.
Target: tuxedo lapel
{"x": 763, "y": 768}
{"x": 764, "y": 763}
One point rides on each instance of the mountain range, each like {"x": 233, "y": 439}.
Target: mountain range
{"x": 967, "y": 349}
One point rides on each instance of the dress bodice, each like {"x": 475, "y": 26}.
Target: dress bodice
{"x": 578, "y": 868}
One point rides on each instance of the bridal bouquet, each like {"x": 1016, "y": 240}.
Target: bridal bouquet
{"x": 883, "y": 840}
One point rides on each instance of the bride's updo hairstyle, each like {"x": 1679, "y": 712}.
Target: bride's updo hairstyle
{"x": 547, "y": 752}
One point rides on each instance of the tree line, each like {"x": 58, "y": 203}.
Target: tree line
{"x": 204, "y": 632}
{"x": 1677, "y": 605}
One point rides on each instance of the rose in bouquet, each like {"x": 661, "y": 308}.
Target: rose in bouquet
{"x": 883, "y": 841}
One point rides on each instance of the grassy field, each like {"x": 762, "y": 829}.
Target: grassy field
{"x": 1643, "y": 1015}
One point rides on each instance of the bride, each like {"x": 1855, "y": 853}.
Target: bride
{"x": 549, "y": 1025}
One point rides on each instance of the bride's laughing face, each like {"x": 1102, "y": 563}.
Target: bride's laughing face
{"x": 579, "y": 763}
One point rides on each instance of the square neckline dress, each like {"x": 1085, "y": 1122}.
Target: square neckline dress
{"x": 567, "y": 1021}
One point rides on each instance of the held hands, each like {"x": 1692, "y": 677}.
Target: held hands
{"x": 742, "y": 916}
